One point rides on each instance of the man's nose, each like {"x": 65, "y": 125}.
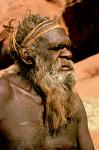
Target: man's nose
{"x": 65, "y": 53}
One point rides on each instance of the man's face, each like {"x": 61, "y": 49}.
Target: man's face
{"x": 54, "y": 75}
{"x": 54, "y": 59}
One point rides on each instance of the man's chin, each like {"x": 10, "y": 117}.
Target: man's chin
{"x": 68, "y": 79}
{"x": 64, "y": 74}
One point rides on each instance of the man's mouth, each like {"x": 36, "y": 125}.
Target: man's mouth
{"x": 66, "y": 68}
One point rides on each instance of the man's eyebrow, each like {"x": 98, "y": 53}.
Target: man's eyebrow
{"x": 57, "y": 45}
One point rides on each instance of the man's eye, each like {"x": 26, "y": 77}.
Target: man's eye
{"x": 56, "y": 48}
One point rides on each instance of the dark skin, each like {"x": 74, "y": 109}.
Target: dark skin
{"x": 21, "y": 109}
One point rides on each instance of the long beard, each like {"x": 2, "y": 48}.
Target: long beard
{"x": 57, "y": 86}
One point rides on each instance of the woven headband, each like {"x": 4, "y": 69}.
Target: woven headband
{"x": 41, "y": 28}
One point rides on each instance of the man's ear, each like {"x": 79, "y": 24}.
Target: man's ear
{"x": 25, "y": 56}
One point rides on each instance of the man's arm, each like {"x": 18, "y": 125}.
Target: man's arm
{"x": 84, "y": 138}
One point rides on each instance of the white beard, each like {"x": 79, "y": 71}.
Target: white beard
{"x": 57, "y": 86}
{"x": 55, "y": 78}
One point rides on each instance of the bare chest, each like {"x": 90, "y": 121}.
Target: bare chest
{"x": 23, "y": 129}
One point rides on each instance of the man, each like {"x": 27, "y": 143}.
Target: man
{"x": 38, "y": 108}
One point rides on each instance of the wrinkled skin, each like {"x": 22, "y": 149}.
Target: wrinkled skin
{"x": 22, "y": 111}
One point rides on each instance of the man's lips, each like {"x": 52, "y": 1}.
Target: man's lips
{"x": 65, "y": 68}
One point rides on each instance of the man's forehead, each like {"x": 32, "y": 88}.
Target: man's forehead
{"x": 56, "y": 35}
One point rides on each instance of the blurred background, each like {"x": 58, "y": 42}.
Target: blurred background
{"x": 80, "y": 19}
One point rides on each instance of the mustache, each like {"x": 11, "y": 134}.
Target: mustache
{"x": 64, "y": 63}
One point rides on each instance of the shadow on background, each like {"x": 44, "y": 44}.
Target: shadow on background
{"x": 82, "y": 20}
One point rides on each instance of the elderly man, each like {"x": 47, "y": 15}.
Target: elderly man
{"x": 38, "y": 108}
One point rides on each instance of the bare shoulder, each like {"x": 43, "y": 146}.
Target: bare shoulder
{"x": 5, "y": 94}
{"x": 80, "y": 110}
{"x": 5, "y": 88}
